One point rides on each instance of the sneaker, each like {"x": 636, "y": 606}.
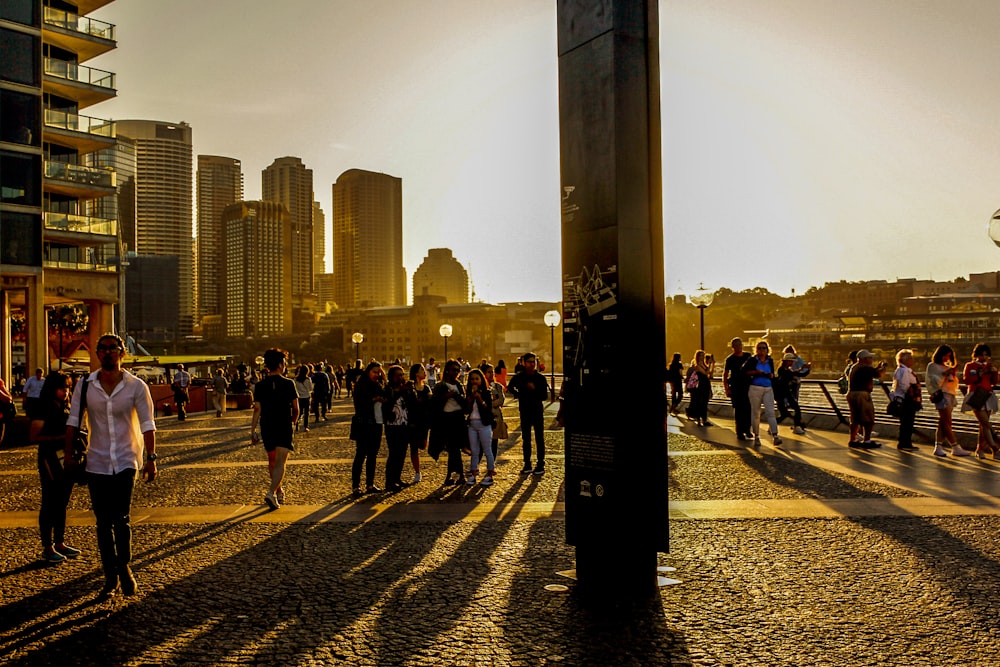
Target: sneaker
{"x": 526, "y": 470}
{"x": 756, "y": 441}
{"x": 907, "y": 448}
{"x": 129, "y": 585}
{"x": 857, "y": 444}
{"x": 280, "y": 496}
{"x": 487, "y": 481}
{"x": 939, "y": 450}
{"x": 777, "y": 441}
{"x": 69, "y": 552}
{"x": 416, "y": 477}
{"x": 871, "y": 444}
{"x": 470, "y": 480}
{"x": 53, "y": 556}
{"x": 357, "y": 492}
{"x": 798, "y": 430}
{"x": 539, "y": 470}
{"x": 373, "y": 489}
{"x": 958, "y": 450}
{"x": 271, "y": 501}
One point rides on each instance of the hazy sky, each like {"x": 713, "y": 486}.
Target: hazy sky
{"x": 804, "y": 141}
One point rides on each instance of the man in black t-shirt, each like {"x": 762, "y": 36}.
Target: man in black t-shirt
{"x": 859, "y": 398}
{"x": 737, "y": 383}
{"x": 275, "y": 409}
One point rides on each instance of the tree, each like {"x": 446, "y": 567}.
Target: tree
{"x": 72, "y": 318}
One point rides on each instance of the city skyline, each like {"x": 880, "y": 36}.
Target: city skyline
{"x": 847, "y": 136}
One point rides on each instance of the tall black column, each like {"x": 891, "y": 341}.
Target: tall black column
{"x": 614, "y": 347}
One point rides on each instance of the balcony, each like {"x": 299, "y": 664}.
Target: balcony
{"x": 82, "y": 133}
{"x": 85, "y": 85}
{"x": 69, "y": 228}
{"x": 80, "y": 182}
{"x": 79, "y": 266}
{"x": 82, "y": 35}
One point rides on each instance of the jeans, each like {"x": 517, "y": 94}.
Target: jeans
{"x": 533, "y": 419}
{"x": 365, "y": 454}
{"x": 56, "y": 489}
{"x": 480, "y": 437}
{"x": 304, "y": 411}
{"x": 111, "y": 499}
{"x": 759, "y": 395}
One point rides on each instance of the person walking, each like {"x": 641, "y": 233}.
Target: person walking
{"x": 303, "y": 389}
{"x": 48, "y": 431}
{"x": 980, "y": 375}
{"x": 120, "y": 417}
{"x": 321, "y": 391}
{"x": 275, "y": 410}
{"x": 448, "y": 430}
{"x": 699, "y": 386}
{"x": 531, "y": 390}
{"x": 786, "y": 393}
{"x": 861, "y": 382}
{"x": 497, "y": 399}
{"x": 760, "y": 369}
{"x": 906, "y": 392}
{"x": 479, "y": 407}
{"x": 942, "y": 387}
{"x": 219, "y": 387}
{"x": 675, "y": 378}
{"x": 501, "y": 373}
{"x": 366, "y": 426}
{"x": 737, "y": 386}
{"x": 180, "y": 386}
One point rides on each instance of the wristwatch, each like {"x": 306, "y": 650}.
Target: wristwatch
{"x": 151, "y": 457}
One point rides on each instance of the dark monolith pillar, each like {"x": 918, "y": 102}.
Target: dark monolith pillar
{"x": 612, "y": 264}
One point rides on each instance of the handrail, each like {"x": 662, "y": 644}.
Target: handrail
{"x": 74, "y": 122}
{"x": 81, "y": 73}
{"x": 84, "y": 25}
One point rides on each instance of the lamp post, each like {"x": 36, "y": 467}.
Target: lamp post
{"x": 259, "y": 360}
{"x": 357, "y": 338}
{"x": 993, "y": 228}
{"x": 702, "y": 299}
{"x": 445, "y": 332}
{"x": 552, "y": 319}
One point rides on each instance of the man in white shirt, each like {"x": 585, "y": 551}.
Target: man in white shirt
{"x": 120, "y": 419}
{"x": 32, "y": 391}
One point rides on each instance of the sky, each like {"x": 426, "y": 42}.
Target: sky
{"x": 804, "y": 141}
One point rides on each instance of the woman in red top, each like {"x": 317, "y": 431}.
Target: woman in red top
{"x": 979, "y": 376}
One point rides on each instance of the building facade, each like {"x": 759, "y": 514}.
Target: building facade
{"x": 258, "y": 249}
{"x": 319, "y": 242}
{"x": 440, "y": 274}
{"x": 220, "y": 184}
{"x": 164, "y": 206}
{"x": 368, "y": 240}
{"x": 288, "y": 182}
{"x": 54, "y": 250}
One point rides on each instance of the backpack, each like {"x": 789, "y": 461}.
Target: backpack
{"x": 843, "y": 384}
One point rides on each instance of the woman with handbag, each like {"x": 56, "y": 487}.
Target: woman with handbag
{"x": 48, "y": 431}
{"x": 906, "y": 395}
{"x": 942, "y": 387}
{"x": 699, "y": 386}
{"x": 979, "y": 376}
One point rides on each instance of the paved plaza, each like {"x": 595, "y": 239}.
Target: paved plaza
{"x": 809, "y": 555}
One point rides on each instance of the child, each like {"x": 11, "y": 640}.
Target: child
{"x": 480, "y": 410}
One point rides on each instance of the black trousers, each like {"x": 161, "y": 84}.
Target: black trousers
{"x": 56, "y": 489}
{"x": 366, "y": 454}
{"x": 397, "y": 440}
{"x": 533, "y": 420}
{"x": 111, "y": 499}
{"x": 740, "y": 398}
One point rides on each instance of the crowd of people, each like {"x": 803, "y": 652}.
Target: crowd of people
{"x": 760, "y": 386}
{"x": 456, "y": 414}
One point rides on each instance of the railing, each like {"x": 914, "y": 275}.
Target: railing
{"x": 75, "y": 173}
{"x": 80, "y": 73}
{"x": 63, "y": 120}
{"x": 81, "y": 24}
{"x": 80, "y": 223}
{"x": 823, "y": 397}
{"x": 79, "y": 266}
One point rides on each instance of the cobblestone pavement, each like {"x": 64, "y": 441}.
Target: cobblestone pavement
{"x": 456, "y": 576}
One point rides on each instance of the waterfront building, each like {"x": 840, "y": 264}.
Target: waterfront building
{"x": 368, "y": 240}
{"x": 54, "y": 251}
{"x": 220, "y": 184}
{"x": 164, "y": 206}
{"x": 441, "y": 274}
{"x": 288, "y": 182}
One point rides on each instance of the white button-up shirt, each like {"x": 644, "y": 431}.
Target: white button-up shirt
{"x": 116, "y": 423}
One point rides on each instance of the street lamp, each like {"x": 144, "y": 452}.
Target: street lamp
{"x": 259, "y": 360}
{"x": 445, "y": 332}
{"x": 357, "y": 338}
{"x": 993, "y": 228}
{"x": 702, "y": 299}
{"x": 552, "y": 319}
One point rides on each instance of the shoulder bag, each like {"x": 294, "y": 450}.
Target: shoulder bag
{"x": 81, "y": 443}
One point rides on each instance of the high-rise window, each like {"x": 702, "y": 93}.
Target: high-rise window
{"x": 19, "y": 54}
{"x": 20, "y": 120}
{"x": 24, "y": 12}
{"x": 20, "y": 235}
{"x": 20, "y": 179}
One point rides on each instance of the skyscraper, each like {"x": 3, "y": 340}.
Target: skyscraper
{"x": 220, "y": 184}
{"x": 288, "y": 182}
{"x": 258, "y": 251}
{"x": 164, "y": 221}
{"x": 319, "y": 242}
{"x": 368, "y": 240}
{"x": 54, "y": 251}
{"x": 440, "y": 274}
